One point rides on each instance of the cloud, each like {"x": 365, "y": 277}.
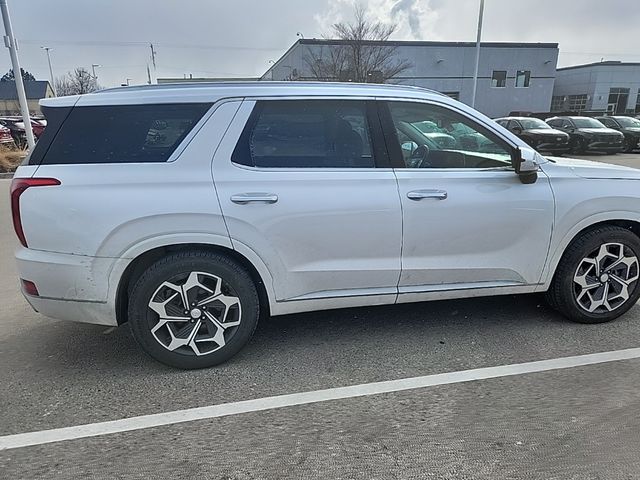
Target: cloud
{"x": 415, "y": 19}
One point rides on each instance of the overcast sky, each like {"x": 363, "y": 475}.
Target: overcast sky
{"x": 239, "y": 37}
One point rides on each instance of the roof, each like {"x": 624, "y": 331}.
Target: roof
{"x": 608, "y": 63}
{"x": 408, "y": 43}
{"x": 517, "y": 118}
{"x": 35, "y": 89}
{"x": 419, "y": 43}
{"x": 206, "y": 79}
{"x": 210, "y": 92}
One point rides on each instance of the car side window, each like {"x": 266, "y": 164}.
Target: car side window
{"x": 513, "y": 125}
{"x": 306, "y": 134}
{"x": 432, "y": 136}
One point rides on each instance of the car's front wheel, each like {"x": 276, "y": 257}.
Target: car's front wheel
{"x": 597, "y": 278}
{"x": 193, "y": 309}
{"x": 579, "y": 145}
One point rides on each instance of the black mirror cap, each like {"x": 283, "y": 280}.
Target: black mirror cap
{"x": 528, "y": 178}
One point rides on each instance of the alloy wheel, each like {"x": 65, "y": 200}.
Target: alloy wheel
{"x": 606, "y": 278}
{"x": 194, "y": 314}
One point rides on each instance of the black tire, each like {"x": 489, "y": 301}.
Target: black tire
{"x": 579, "y": 145}
{"x": 236, "y": 281}
{"x": 562, "y": 294}
{"x": 630, "y": 145}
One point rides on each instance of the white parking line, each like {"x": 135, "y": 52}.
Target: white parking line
{"x": 280, "y": 401}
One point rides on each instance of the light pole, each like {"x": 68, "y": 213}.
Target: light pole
{"x": 475, "y": 73}
{"x": 93, "y": 69}
{"x": 10, "y": 42}
{"x": 47, "y": 49}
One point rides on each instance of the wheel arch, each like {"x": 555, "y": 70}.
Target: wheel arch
{"x": 140, "y": 263}
{"x": 626, "y": 222}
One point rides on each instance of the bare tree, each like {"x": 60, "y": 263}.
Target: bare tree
{"x": 76, "y": 83}
{"x": 360, "y": 53}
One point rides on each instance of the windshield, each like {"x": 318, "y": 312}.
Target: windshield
{"x": 628, "y": 122}
{"x": 585, "y": 122}
{"x": 531, "y": 123}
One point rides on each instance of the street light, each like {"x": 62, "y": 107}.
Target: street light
{"x": 47, "y": 49}
{"x": 93, "y": 69}
{"x": 475, "y": 74}
{"x": 10, "y": 43}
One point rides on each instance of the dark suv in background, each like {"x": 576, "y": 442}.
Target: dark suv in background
{"x": 630, "y": 128}
{"x": 588, "y": 134}
{"x": 537, "y": 134}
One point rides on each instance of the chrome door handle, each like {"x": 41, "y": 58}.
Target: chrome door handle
{"x": 421, "y": 194}
{"x": 244, "y": 198}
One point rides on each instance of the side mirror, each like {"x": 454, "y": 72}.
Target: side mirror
{"x": 526, "y": 165}
{"x": 516, "y": 130}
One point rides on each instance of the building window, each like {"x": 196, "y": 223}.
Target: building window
{"x": 557, "y": 103}
{"x": 577, "y": 103}
{"x": 618, "y": 98}
{"x": 522, "y": 78}
{"x": 456, "y": 95}
{"x": 638, "y": 102}
{"x": 499, "y": 78}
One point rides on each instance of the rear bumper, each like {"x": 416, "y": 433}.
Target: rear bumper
{"x": 73, "y": 310}
{"x": 70, "y": 287}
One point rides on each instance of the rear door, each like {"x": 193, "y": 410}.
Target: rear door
{"x": 305, "y": 185}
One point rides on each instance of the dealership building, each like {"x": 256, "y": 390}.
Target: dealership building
{"x": 512, "y": 77}
{"x": 611, "y": 86}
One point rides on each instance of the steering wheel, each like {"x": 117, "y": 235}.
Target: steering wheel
{"x": 419, "y": 157}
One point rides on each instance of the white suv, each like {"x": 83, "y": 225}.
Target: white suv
{"x": 189, "y": 211}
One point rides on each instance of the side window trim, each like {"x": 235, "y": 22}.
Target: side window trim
{"x": 393, "y": 144}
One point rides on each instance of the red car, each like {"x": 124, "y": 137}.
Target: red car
{"x": 5, "y": 136}
{"x": 38, "y": 126}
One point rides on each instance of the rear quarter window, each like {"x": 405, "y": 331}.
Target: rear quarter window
{"x": 121, "y": 133}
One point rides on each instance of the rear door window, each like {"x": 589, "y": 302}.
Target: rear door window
{"x": 122, "y": 133}
{"x": 306, "y": 134}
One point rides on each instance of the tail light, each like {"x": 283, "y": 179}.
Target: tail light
{"x": 18, "y": 186}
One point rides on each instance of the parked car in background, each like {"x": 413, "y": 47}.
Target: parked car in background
{"x": 588, "y": 135}
{"x": 37, "y": 126}
{"x": 437, "y": 134}
{"x": 16, "y": 127}
{"x": 630, "y": 128}
{"x": 537, "y": 134}
{"x": 468, "y": 138}
{"x": 5, "y": 137}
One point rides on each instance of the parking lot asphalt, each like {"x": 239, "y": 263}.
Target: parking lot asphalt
{"x": 578, "y": 423}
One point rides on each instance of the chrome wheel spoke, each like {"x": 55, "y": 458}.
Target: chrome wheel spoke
{"x": 194, "y": 315}
{"x": 604, "y": 279}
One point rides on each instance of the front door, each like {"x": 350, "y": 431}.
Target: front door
{"x": 468, "y": 220}
{"x": 301, "y": 186}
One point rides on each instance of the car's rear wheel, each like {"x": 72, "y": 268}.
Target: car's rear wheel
{"x": 193, "y": 309}
{"x": 597, "y": 278}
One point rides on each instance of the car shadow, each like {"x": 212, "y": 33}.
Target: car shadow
{"x": 82, "y": 347}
